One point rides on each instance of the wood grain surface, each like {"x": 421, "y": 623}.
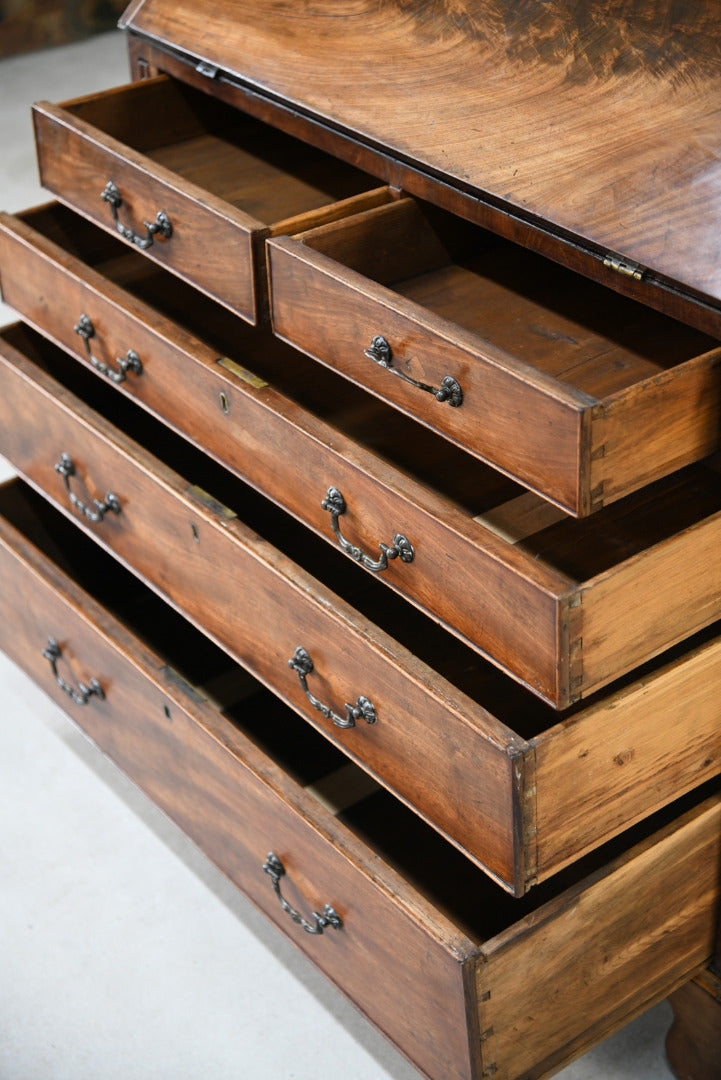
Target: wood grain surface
{"x": 260, "y": 605}
{"x": 600, "y": 119}
{"x": 521, "y": 790}
{"x": 653, "y": 925}
{"x": 551, "y": 602}
{"x": 268, "y": 438}
{"x": 222, "y": 182}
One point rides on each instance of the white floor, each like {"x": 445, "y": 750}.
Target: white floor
{"x": 123, "y": 953}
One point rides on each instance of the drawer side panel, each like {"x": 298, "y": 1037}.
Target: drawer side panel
{"x": 627, "y": 756}
{"x": 584, "y": 964}
{"x": 656, "y": 428}
{"x": 625, "y": 614}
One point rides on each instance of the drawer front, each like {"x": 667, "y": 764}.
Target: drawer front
{"x": 77, "y": 162}
{"x": 580, "y": 394}
{"x": 237, "y": 805}
{"x": 465, "y": 981}
{"x": 429, "y": 742}
{"x": 193, "y": 185}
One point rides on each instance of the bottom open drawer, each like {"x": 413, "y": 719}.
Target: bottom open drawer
{"x": 465, "y": 980}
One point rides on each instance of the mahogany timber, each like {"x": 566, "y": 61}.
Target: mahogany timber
{"x": 222, "y": 180}
{"x": 280, "y": 455}
{"x": 466, "y": 982}
{"x": 148, "y": 59}
{"x": 520, "y": 789}
{"x": 598, "y": 124}
{"x": 682, "y": 153}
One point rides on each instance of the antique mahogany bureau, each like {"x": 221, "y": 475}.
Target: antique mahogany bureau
{"x": 366, "y": 402}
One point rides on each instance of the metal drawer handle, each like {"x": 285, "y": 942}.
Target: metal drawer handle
{"x": 66, "y": 468}
{"x": 80, "y": 695}
{"x": 362, "y": 710}
{"x": 449, "y": 390}
{"x": 336, "y": 505}
{"x": 329, "y": 917}
{"x": 162, "y": 225}
{"x": 131, "y": 362}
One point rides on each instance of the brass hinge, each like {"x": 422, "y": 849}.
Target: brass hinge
{"x": 623, "y": 266}
{"x": 209, "y": 70}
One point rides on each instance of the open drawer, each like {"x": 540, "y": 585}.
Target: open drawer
{"x": 466, "y": 981}
{"x": 193, "y": 183}
{"x": 520, "y": 789}
{"x": 546, "y": 597}
{"x": 577, "y": 392}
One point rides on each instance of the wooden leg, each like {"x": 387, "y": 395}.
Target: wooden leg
{"x": 693, "y": 1044}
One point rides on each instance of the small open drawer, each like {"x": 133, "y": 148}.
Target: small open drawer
{"x": 467, "y": 982}
{"x": 193, "y": 183}
{"x": 577, "y": 392}
{"x": 522, "y": 790}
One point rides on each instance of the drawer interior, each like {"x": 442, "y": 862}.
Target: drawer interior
{"x": 574, "y": 330}
{"x": 501, "y": 696}
{"x": 256, "y": 168}
{"x": 452, "y": 883}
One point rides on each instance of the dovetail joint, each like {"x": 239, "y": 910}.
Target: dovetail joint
{"x": 597, "y": 494}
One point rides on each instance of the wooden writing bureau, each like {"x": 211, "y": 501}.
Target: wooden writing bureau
{"x": 366, "y": 402}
